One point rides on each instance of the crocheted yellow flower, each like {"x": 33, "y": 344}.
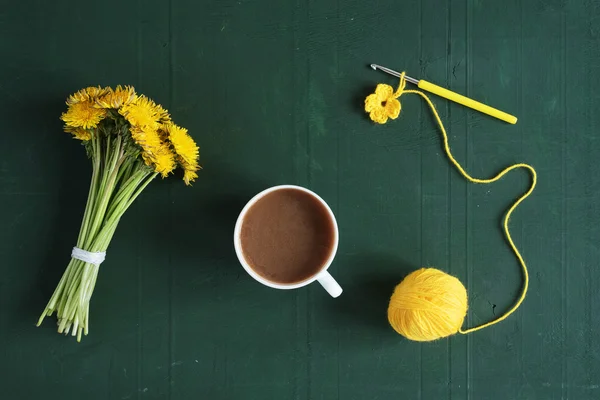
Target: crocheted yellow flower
{"x": 382, "y": 104}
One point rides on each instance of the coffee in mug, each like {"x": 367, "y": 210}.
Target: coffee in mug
{"x": 286, "y": 237}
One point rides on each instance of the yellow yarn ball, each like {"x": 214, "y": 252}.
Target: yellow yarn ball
{"x": 427, "y": 305}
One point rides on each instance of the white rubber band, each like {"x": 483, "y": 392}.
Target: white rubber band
{"x": 87, "y": 256}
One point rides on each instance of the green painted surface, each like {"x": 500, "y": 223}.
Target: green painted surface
{"x": 272, "y": 91}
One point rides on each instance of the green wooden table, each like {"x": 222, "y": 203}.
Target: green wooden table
{"x": 273, "y": 93}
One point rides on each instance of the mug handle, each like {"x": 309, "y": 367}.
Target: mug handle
{"x": 329, "y": 284}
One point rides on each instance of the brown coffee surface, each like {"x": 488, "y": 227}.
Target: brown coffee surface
{"x": 287, "y": 236}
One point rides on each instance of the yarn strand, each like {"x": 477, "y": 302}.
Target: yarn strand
{"x": 472, "y": 179}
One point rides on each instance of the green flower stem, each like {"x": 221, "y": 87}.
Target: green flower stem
{"x": 117, "y": 180}
{"x": 67, "y": 277}
{"x": 92, "y": 192}
{"x": 126, "y": 189}
{"x": 139, "y": 191}
{"x": 107, "y": 187}
{"x": 80, "y": 300}
{"x": 57, "y": 291}
{"x": 125, "y": 170}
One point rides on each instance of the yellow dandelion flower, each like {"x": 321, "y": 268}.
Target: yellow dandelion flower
{"x": 160, "y": 158}
{"x": 155, "y": 152}
{"x": 383, "y": 104}
{"x": 163, "y": 115}
{"x": 148, "y": 159}
{"x": 88, "y": 94}
{"x": 143, "y": 112}
{"x": 79, "y": 133}
{"x": 186, "y": 149}
{"x": 184, "y": 145}
{"x": 122, "y": 95}
{"x": 189, "y": 176}
{"x": 83, "y": 115}
{"x": 164, "y": 160}
{"x": 147, "y": 138}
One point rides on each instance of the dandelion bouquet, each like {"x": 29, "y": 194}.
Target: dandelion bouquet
{"x": 130, "y": 140}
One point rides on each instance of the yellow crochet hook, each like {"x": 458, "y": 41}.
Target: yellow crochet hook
{"x": 455, "y": 97}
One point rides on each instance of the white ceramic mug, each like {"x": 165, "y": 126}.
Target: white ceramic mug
{"x": 324, "y": 277}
